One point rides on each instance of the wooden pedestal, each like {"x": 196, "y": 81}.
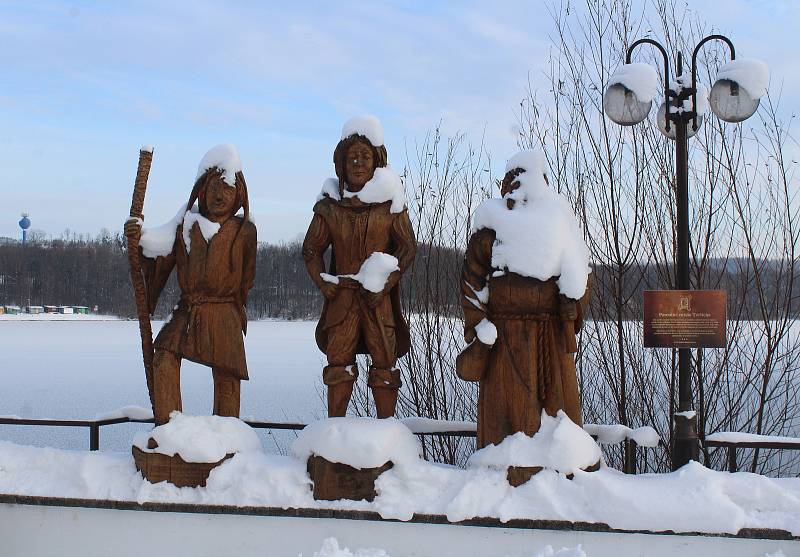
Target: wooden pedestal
{"x": 157, "y": 467}
{"x": 333, "y": 480}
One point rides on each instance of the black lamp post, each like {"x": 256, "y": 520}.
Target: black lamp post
{"x": 679, "y": 120}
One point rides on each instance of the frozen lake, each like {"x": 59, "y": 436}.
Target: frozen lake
{"x": 77, "y": 369}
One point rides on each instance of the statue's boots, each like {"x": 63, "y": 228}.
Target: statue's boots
{"x": 339, "y": 380}
{"x": 227, "y": 393}
{"x": 385, "y": 384}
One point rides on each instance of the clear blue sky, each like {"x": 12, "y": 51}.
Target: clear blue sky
{"x": 84, "y": 84}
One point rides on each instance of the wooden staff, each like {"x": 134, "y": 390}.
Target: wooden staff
{"x": 137, "y": 278}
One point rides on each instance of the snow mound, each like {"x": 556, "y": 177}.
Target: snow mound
{"x": 207, "y": 228}
{"x": 358, "y": 442}
{"x": 609, "y": 434}
{"x": 200, "y": 438}
{"x": 330, "y": 548}
{"x": 559, "y": 445}
{"x": 225, "y": 158}
{"x": 486, "y": 331}
{"x": 367, "y": 125}
{"x": 130, "y": 412}
{"x": 159, "y": 240}
{"x": 640, "y": 78}
{"x": 540, "y": 236}
{"x": 330, "y": 188}
{"x": 751, "y": 74}
{"x": 374, "y": 272}
{"x": 385, "y": 185}
{"x": 548, "y": 551}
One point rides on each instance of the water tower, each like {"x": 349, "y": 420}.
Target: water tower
{"x": 24, "y": 224}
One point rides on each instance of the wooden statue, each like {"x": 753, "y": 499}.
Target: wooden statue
{"x": 524, "y": 295}
{"x": 359, "y": 215}
{"x": 214, "y": 252}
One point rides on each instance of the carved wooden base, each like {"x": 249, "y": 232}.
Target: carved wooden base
{"x": 518, "y": 475}
{"x": 333, "y": 480}
{"x": 156, "y": 467}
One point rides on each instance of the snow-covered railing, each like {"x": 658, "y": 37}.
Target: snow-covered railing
{"x": 734, "y": 440}
{"x": 603, "y": 434}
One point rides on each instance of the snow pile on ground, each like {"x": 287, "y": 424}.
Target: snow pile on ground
{"x": 640, "y": 78}
{"x": 751, "y": 74}
{"x": 693, "y": 499}
{"x": 384, "y": 186}
{"x": 563, "y": 552}
{"x": 225, "y": 158}
{"x": 367, "y": 125}
{"x": 330, "y": 548}
{"x": 559, "y": 445}
{"x": 200, "y": 438}
{"x": 540, "y": 236}
{"x": 358, "y": 442}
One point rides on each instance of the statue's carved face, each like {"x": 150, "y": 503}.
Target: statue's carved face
{"x": 509, "y": 184}
{"x": 359, "y": 165}
{"x": 220, "y": 198}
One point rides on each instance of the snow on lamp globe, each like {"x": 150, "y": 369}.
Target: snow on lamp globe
{"x": 623, "y": 106}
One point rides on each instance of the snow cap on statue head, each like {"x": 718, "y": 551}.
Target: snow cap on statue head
{"x": 359, "y": 128}
{"x": 532, "y": 180}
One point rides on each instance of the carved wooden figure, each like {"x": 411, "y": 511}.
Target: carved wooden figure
{"x": 360, "y": 214}
{"x": 214, "y": 252}
{"x": 524, "y": 295}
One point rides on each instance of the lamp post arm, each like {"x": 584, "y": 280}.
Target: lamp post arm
{"x": 722, "y": 38}
{"x": 666, "y": 67}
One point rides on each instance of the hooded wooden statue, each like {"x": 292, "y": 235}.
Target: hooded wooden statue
{"x": 525, "y": 288}
{"x": 361, "y": 216}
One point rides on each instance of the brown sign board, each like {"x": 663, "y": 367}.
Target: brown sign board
{"x": 685, "y": 318}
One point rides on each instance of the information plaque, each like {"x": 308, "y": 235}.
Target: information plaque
{"x": 685, "y": 318}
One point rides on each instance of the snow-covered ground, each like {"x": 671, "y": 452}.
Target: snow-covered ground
{"x": 80, "y": 369}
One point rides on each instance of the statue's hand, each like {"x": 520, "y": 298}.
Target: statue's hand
{"x": 373, "y": 298}
{"x": 568, "y": 310}
{"x": 133, "y": 228}
{"x": 329, "y": 290}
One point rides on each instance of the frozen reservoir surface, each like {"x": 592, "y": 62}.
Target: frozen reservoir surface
{"x": 78, "y": 369}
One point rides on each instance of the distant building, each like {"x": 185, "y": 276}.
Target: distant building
{"x": 34, "y": 310}
{"x": 81, "y": 310}
{"x": 51, "y": 309}
{"x": 65, "y": 310}
{"x": 12, "y": 310}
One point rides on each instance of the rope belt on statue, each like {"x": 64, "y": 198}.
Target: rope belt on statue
{"x": 504, "y": 316}
{"x": 193, "y": 301}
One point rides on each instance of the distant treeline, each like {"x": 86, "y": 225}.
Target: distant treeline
{"x": 94, "y": 272}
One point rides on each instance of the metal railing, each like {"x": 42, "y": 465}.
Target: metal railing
{"x": 732, "y": 446}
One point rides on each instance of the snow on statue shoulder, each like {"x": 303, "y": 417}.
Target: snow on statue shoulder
{"x": 525, "y": 287}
